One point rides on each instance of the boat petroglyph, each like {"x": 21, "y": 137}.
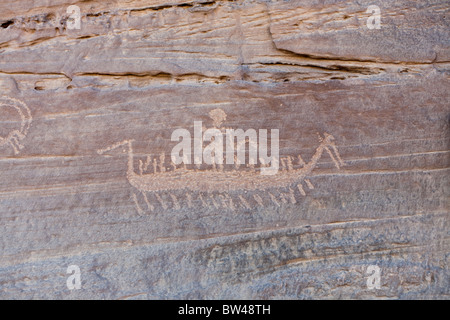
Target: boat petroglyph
{"x": 213, "y": 186}
{"x": 163, "y": 180}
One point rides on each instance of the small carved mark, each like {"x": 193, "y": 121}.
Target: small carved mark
{"x": 300, "y": 188}
{"x": 149, "y": 205}
{"x": 244, "y": 202}
{"x": 138, "y": 208}
{"x": 176, "y": 205}
{"x": 309, "y": 184}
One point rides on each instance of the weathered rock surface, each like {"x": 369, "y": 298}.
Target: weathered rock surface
{"x": 138, "y": 71}
{"x": 411, "y": 31}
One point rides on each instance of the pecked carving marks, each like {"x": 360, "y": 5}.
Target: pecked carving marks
{"x": 219, "y": 181}
{"x": 14, "y": 137}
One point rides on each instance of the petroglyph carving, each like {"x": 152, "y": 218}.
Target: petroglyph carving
{"x": 220, "y": 181}
{"x": 16, "y": 135}
{"x": 194, "y": 182}
{"x": 218, "y": 116}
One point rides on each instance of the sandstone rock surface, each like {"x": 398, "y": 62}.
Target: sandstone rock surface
{"x": 377, "y": 194}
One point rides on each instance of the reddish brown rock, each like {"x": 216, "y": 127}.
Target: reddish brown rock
{"x": 87, "y": 116}
{"x": 413, "y": 32}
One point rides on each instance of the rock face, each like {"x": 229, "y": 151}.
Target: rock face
{"x": 90, "y": 116}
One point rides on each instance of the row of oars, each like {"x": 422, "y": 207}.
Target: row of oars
{"x": 223, "y": 201}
